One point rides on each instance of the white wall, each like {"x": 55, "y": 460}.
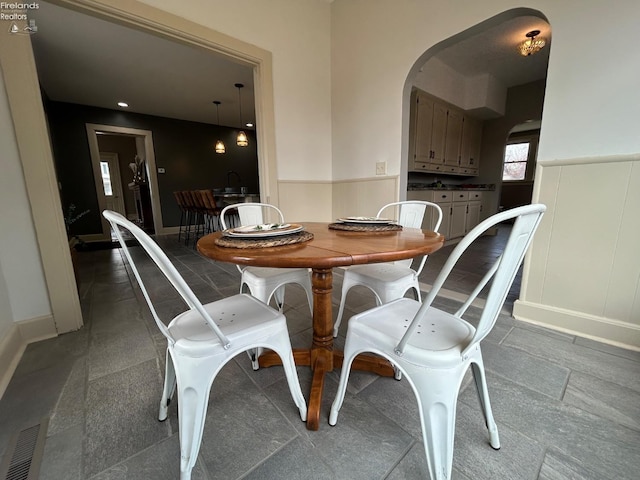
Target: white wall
{"x": 297, "y": 33}
{"x": 23, "y": 285}
{"x": 591, "y": 108}
{"x": 591, "y": 89}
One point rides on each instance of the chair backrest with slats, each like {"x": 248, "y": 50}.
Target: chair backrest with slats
{"x": 117, "y": 222}
{"x": 179, "y": 200}
{"x": 187, "y": 200}
{"x": 209, "y": 201}
{"x": 410, "y": 215}
{"x": 252, "y": 213}
{"x": 500, "y": 276}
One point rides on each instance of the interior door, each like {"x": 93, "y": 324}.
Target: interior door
{"x": 111, "y": 182}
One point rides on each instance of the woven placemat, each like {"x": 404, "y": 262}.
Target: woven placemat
{"x": 235, "y": 242}
{"x": 351, "y": 227}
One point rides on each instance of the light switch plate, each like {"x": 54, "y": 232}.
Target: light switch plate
{"x": 381, "y": 168}
{"x": 160, "y": 170}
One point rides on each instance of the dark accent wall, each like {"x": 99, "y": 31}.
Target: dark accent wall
{"x": 184, "y": 149}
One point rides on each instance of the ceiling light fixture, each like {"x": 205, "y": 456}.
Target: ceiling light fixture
{"x": 123, "y": 104}
{"x": 241, "y": 141}
{"x": 219, "y": 145}
{"x": 532, "y": 44}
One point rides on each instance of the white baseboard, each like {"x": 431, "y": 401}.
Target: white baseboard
{"x": 605, "y": 330}
{"x": 169, "y": 230}
{"x": 93, "y": 237}
{"x": 13, "y": 344}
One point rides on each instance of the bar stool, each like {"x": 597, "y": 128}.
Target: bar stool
{"x": 211, "y": 211}
{"x": 184, "y": 214}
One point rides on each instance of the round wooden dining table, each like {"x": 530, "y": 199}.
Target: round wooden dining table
{"x": 327, "y": 249}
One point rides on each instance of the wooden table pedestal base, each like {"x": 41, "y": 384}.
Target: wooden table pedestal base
{"x": 324, "y": 362}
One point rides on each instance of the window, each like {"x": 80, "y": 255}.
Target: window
{"x": 515, "y": 161}
{"x": 520, "y": 154}
{"x": 106, "y": 178}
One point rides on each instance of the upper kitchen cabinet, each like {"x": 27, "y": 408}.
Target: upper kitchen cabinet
{"x": 442, "y": 139}
{"x": 470, "y": 146}
{"x": 428, "y": 129}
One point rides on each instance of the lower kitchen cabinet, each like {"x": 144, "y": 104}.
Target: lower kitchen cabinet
{"x": 458, "y": 222}
{"x": 461, "y": 210}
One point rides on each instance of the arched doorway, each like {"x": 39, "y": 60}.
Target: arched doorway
{"x": 479, "y": 74}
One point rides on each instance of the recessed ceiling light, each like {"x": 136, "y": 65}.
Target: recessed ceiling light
{"x": 123, "y": 104}
{"x": 249, "y": 124}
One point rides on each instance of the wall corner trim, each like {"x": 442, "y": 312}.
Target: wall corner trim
{"x": 14, "y": 343}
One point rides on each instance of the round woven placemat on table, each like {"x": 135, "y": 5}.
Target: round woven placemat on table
{"x": 235, "y": 242}
{"x": 351, "y": 227}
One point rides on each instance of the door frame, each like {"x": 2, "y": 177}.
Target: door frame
{"x": 144, "y": 147}
{"x": 29, "y": 123}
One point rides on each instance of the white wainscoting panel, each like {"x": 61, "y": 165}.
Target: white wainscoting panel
{"x": 583, "y": 271}
{"x": 363, "y": 196}
{"x": 305, "y": 201}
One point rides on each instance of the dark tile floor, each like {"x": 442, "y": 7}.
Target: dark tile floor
{"x": 566, "y": 407}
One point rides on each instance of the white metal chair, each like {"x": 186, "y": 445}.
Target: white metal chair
{"x": 202, "y": 340}
{"x": 434, "y": 348}
{"x": 390, "y": 280}
{"x": 264, "y": 282}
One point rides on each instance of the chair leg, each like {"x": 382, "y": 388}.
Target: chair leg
{"x": 437, "y": 395}
{"x": 188, "y": 227}
{"x": 169, "y": 387}
{"x": 349, "y": 356}
{"x": 309, "y": 291}
{"x": 194, "y": 382}
{"x": 343, "y": 300}
{"x": 254, "y": 355}
{"x": 289, "y": 366}
{"x": 483, "y": 395}
{"x": 181, "y": 222}
{"x": 278, "y": 296}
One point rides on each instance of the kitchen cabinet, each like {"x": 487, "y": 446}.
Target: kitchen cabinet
{"x": 443, "y": 199}
{"x": 453, "y": 138}
{"x": 458, "y": 222}
{"x": 470, "y": 146}
{"x": 428, "y": 130}
{"x": 474, "y": 210}
{"x": 461, "y": 210}
{"x": 442, "y": 139}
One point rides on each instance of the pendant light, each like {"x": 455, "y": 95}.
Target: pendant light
{"x": 241, "y": 141}
{"x": 219, "y": 145}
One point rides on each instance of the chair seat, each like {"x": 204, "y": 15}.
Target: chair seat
{"x": 242, "y": 318}
{"x": 379, "y": 273}
{"x": 268, "y": 273}
{"x": 438, "y": 341}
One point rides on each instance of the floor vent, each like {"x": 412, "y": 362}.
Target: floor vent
{"x": 24, "y": 453}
